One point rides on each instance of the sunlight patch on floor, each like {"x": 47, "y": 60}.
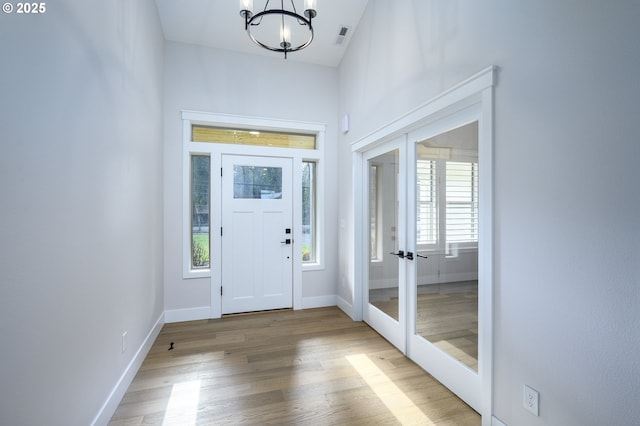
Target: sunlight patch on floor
{"x": 182, "y": 408}
{"x": 395, "y": 400}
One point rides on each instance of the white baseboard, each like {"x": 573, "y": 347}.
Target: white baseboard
{"x": 319, "y": 301}
{"x": 346, "y": 307}
{"x": 190, "y": 314}
{"x": 113, "y": 400}
{"x": 497, "y": 422}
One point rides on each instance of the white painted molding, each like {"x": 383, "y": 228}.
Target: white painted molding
{"x": 435, "y": 107}
{"x": 319, "y": 301}
{"x": 346, "y": 307}
{"x": 189, "y": 314}
{"x": 246, "y": 122}
{"x": 496, "y": 422}
{"x": 113, "y": 400}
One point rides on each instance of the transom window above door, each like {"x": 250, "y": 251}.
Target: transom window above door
{"x": 201, "y": 133}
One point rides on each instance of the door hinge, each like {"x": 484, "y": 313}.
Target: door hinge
{"x": 220, "y": 290}
{"x": 221, "y": 231}
{"x": 220, "y": 171}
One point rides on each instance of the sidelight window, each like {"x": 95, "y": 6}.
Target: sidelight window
{"x": 309, "y": 213}
{"x": 200, "y": 211}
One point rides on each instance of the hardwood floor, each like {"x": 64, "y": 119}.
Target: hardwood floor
{"x": 311, "y": 367}
{"x": 447, "y": 316}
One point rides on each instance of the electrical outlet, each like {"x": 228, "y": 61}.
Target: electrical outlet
{"x": 531, "y": 400}
{"x": 124, "y": 341}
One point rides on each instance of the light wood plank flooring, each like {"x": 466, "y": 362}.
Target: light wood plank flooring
{"x": 447, "y": 316}
{"x": 311, "y": 367}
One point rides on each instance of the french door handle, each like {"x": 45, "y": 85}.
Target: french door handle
{"x": 287, "y": 241}
{"x": 424, "y": 257}
{"x": 400, "y": 254}
{"x": 410, "y": 255}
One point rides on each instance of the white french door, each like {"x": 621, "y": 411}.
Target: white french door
{"x": 257, "y": 238}
{"x": 444, "y": 237}
{"x": 385, "y": 292}
{"x": 424, "y": 265}
{"x": 424, "y": 233}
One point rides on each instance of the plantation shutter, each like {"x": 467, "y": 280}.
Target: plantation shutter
{"x": 427, "y": 214}
{"x": 461, "y": 202}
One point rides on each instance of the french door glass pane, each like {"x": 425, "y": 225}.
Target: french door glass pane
{"x": 447, "y": 227}
{"x": 383, "y": 225}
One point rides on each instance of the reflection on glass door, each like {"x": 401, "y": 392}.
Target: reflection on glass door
{"x": 385, "y": 292}
{"x": 424, "y": 241}
{"x": 446, "y": 293}
{"x": 383, "y": 226}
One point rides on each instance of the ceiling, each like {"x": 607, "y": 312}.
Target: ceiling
{"x": 218, "y": 24}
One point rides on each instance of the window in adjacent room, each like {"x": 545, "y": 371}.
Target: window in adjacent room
{"x": 447, "y": 199}
{"x": 374, "y": 251}
{"x": 462, "y": 202}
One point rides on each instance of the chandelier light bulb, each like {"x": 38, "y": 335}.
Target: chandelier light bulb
{"x": 285, "y": 37}
{"x": 310, "y": 8}
{"x": 246, "y": 5}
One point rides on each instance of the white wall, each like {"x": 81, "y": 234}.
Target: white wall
{"x": 567, "y": 240}
{"x": 219, "y": 81}
{"x": 81, "y": 204}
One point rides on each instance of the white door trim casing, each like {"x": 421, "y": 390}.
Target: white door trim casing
{"x": 216, "y": 151}
{"x": 475, "y": 92}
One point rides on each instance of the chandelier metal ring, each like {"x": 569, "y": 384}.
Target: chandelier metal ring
{"x": 284, "y": 46}
{"x": 285, "y": 41}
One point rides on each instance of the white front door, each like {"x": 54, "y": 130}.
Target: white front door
{"x": 257, "y": 233}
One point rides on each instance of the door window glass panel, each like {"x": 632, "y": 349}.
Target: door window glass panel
{"x": 384, "y": 277}
{"x": 200, "y": 210}
{"x": 252, "y": 137}
{"x": 374, "y": 250}
{"x": 251, "y": 182}
{"x": 309, "y": 212}
{"x": 447, "y": 225}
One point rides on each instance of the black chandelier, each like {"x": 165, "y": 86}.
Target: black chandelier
{"x": 279, "y": 32}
